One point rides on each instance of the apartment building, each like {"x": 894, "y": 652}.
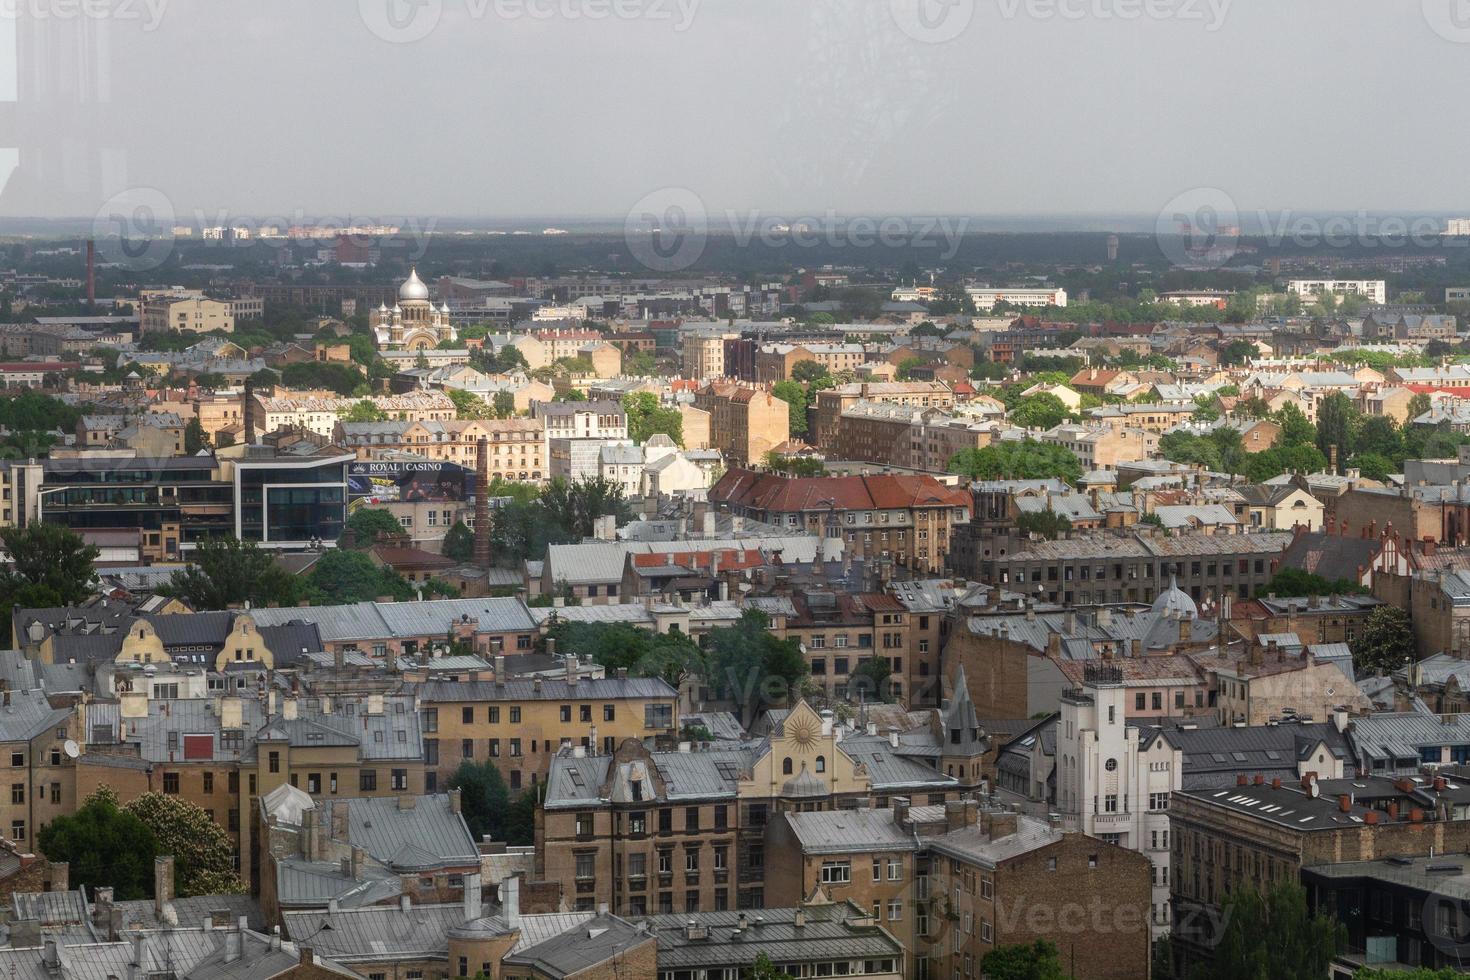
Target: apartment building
{"x": 321, "y": 415}
{"x": 1101, "y": 446}
{"x": 745, "y": 422}
{"x": 516, "y": 447}
{"x": 169, "y": 312}
{"x": 34, "y": 737}
{"x": 774, "y": 362}
{"x": 686, "y": 830}
{"x": 1135, "y": 566}
{"x": 1259, "y": 832}
{"x": 521, "y": 725}
{"x": 1370, "y": 290}
{"x": 906, "y": 519}
{"x": 1005, "y": 879}
{"x": 830, "y": 403}
{"x": 702, "y": 352}
{"x": 911, "y": 438}
{"x": 1114, "y": 779}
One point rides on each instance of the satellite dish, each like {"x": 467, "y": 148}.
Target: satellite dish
{"x": 71, "y": 749}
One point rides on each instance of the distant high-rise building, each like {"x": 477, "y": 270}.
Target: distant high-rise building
{"x": 1112, "y": 248}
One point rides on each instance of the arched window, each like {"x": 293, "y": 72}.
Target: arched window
{"x": 786, "y": 767}
{"x": 821, "y": 763}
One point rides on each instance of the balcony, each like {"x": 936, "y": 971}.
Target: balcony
{"x": 1112, "y": 819}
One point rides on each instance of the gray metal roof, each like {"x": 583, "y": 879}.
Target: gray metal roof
{"x": 831, "y": 933}
{"x": 575, "y": 950}
{"x": 889, "y": 771}
{"x": 1401, "y": 734}
{"x": 975, "y": 845}
{"x": 316, "y": 883}
{"x": 378, "y": 932}
{"x": 428, "y": 835}
{"x": 844, "y": 831}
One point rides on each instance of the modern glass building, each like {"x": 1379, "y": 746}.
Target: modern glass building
{"x": 290, "y": 499}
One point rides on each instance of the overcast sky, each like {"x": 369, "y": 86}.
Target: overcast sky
{"x": 270, "y": 107}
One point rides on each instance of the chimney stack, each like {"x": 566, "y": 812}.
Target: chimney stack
{"x": 163, "y": 883}
{"x": 249, "y": 412}
{"x": 482, "y": 503}
{"x": 472, "y": 908}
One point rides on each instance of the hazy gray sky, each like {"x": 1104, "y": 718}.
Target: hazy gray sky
{"x": 269, "y": 107}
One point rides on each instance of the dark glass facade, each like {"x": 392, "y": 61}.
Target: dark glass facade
{"x": 292, "y": 503}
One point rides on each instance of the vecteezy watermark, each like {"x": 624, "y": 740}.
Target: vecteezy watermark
{"x": 938, "y": 21}
{"x": 134, "y": 229}
{"x": 148, "y": 12}
{"x": 1210, "y": 14}
{"x": 669, "y": 229}
{"x": 1198, "y": 229}
{"x": 932, "y": 21}
{"x": 1450, "y": 19}
{"x": 406, "y": 21}
{"x": 1201, "y": 230}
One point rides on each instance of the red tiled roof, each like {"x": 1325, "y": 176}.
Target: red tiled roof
{"x": 729, "y": 559}
{"x": 887, "y": 491}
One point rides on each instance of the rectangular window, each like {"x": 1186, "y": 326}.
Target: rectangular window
{"x": 367, "y": 781}
{"x": 170, "y": 783}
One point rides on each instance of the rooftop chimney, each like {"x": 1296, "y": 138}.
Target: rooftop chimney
{"x": 472, "y": 910}
{"x": 163, "y": 883}
{"x": 482, "y": 503}
{"x": 510, "y": 901}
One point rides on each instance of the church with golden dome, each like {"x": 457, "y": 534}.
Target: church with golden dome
{"x": 413, "y": 323}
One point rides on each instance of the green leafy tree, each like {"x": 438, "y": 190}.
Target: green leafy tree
{"x": 1024, "y": 460}
{"x": 871, "y": 681}
{"x": 344, "y": 379}
{"x": 908, "y": 366}
{"x": 1379, "y": 435}
{"x": 342, "y": 577}
{"x": 364, "y": 411}
{"x": 1047, "y": 523}
{"x": 49, "y": 556}
{"x": 484, "y": 799}
{"x": 194, "y": 437}
{"x": 751, "y": 666}
{"x": 810, "y": 372}
{"x": 794, "y": 394}
{"x": 265, "y": 378}
{"x": 1238, "y": 352}
{"x": 1041, "y": 411}
{"x": 1374, "y": 466}
{"x": 1385, "y": 642}
{"x": 226, "y": 571}
{"x": 459, "y": 542}
{"x": 1186, "y": 447}
{"x": 200, "y": 847}
{"x": 367, "y": 526}
{"x": 1295, "y": 429}
{"x": 103, "y": 845}
{"x": 1262, "y": 466}
{"x": 1039, "y": 961}
{"x": 646, "y": 417}
{"x": 1336, "y": 423}
{"x": 641, "y": 652}
{"x": 520, "y": 817}
{"x": 794, "y": 465}
{"x": 504, "y": 404}
{"x": 1296, "y": 582}
{"x": 764, "y": 969}
{"x": 1418, "y": 405}
{"x": 640, "y": 364}
{"x": 1273, "y": 936}
{"x": 468, "y": 405}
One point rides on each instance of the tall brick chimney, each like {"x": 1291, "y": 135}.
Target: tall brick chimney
{"x": 482, "y": 503}
{"x": 91, "y": 273}
{"x": 249, "y": 413}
